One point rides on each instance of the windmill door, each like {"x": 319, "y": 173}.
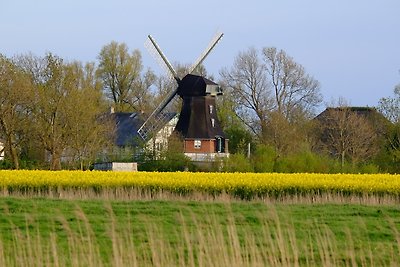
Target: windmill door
{"x": 220, "y": 144}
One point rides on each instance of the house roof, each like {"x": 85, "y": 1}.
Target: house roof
{"x": 367, "y": 112}
{"x": 127, "y": 124}
{"x": 377, "y": 120}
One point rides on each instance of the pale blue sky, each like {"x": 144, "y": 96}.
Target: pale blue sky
{"x": 351, "y": 46}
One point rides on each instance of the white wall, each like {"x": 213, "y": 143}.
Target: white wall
{"x": 1, "y": 151}
{"x": 160, "y": 141}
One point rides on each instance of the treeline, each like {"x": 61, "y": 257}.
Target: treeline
{"x": 52, "y": 115}
{"x": 270, "y": 102}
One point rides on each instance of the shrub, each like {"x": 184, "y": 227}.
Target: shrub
{"x": 264, "y": 159}
{"x": 6, "y": 164}
{"x": 237, "y": 163}
{"x": 304, "y": 161}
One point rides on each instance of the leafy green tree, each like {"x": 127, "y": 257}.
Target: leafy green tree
{"x": 389, "y": 156}
{"x": 15, "y": 95}
{"x": 50, "y": 119}
{"x": 89, "y": 134}
{"x": 239, "y": 140}
{"x": 65, "y": 110}
{"x": 283, "y": 135}
{"x": 121, "y": 74}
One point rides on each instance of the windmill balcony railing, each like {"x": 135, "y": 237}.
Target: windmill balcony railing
{"x": 206, "y": 156}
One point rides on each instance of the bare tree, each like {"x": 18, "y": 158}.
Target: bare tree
{"x": 293, "y": 88}
{"x": 348, "y": 135}
{"x": 390, "y": 106}
{"x": 141, "y": 98}
{"x": 247, "y": 83}
{"x": 268, "y": 89}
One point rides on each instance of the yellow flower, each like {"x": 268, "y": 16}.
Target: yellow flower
{"x": 239, "y": 184}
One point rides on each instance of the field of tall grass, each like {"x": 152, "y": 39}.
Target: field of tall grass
{"x": 50, "y": 232}
{"x": 117, "y": 219}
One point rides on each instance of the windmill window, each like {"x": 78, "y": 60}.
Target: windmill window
{"x": 159, "y": 147}
{"x": 213, "y": 123}
{"x": 211, "y": 109}
{"x": 197, "y": 144}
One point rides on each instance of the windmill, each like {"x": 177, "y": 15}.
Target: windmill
{"x": 198, "y": 124}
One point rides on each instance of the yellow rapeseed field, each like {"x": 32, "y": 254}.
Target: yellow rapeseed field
{"x": 244, "y": 185}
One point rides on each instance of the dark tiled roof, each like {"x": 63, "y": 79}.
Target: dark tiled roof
{"x": 367, "y": 112}
{"x": 127, "y": 125}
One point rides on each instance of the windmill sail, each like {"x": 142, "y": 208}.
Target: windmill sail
{"x": 160, "y": 116}
{"x": 159, "y": 56}
{"x": 210, "y": 47}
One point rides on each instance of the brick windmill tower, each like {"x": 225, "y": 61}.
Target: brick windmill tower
{"x": 198, "y": 123}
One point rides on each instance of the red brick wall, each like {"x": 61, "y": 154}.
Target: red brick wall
{"x": 207, "y": 146}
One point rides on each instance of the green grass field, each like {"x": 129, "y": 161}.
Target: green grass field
{"x": 55, "y": 232}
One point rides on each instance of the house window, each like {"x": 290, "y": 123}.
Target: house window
{"x": 211, "y": 108}
{"x": 213, "y": 123}
{"x": 159, "y": 147}
{"x": 197, "y": 144}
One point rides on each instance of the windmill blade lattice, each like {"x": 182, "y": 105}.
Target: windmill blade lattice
{"x": 159, "y": 56}
{"x": 158, "y": 118}
{"x": 160, "y": 115}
